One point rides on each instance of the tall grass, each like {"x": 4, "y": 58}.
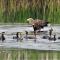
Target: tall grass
{"x": 19, "y": 10}
{"x": 22, "y": 54}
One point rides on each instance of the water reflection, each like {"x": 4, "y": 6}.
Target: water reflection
{"x": 21, "y": 54}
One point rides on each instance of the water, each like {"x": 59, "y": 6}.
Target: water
{"x": 40, "y": 44}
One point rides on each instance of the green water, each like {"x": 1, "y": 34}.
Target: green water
{"x": 22, "y": 54}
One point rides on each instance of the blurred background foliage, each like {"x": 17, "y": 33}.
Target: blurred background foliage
{"x": 17, "y": 11}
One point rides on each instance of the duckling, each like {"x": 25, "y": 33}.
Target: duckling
{"x": 26, "y": 34}
{"x": 50, "y": 32}
{"x": 29, "y": 37}
{"x": 16, "y": 37}
{"x": 54, "y": 38}
{"x": 2, "y": 36}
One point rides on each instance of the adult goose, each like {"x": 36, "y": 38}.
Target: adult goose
{"x": 37, "y": 24}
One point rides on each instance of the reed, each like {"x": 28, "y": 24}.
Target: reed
{"x": 19, "y": 10}
{"x": 22, "y": 54}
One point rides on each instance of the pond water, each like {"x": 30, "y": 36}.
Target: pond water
{"x": 27, "y": 49}
{"x": 40, "y": 44}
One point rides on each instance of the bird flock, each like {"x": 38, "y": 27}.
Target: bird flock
{"x": 37, "y": 25}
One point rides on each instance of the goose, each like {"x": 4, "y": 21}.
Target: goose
{"x": 37, "y": 24}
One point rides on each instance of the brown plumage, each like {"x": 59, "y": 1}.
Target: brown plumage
{"x": 37, "y": 24}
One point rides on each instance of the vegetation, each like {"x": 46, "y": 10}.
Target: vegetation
{"x": 22, "y": 54}
{"x": 19, "y": 10}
